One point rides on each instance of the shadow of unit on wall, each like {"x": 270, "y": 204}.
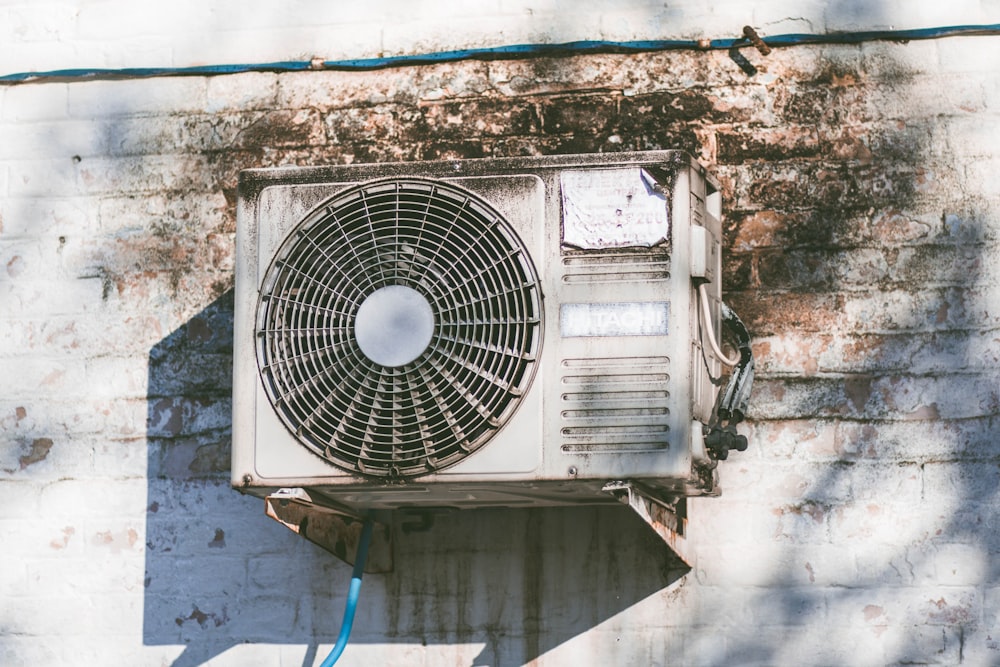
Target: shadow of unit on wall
{"x": 219, "y": 573}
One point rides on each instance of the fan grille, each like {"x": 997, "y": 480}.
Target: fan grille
{"x": 468, "y": 264}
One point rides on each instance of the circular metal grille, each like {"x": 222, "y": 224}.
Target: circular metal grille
{"x": 368, "y": 410}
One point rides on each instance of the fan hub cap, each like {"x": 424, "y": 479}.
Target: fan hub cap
{"x": 394, "y": 325}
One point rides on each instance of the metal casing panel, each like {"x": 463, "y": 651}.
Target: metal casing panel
{"x": 601, "y": 406}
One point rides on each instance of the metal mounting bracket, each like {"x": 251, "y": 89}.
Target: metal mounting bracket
{"x": 667, "y": 517}
{"x": 333, "y": 529}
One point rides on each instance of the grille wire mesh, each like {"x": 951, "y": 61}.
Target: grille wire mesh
{"x": 406, "y": 421}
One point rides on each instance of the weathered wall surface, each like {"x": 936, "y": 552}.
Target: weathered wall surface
{"x": 862, "y": 217}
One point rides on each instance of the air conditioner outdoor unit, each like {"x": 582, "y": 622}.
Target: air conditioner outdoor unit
{"x": 494, "y": 332}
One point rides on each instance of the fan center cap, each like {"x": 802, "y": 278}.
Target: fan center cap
{"x": 394, "y": 325}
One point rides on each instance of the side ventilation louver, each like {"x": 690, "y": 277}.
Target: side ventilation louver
{"x": 398, "y": 326}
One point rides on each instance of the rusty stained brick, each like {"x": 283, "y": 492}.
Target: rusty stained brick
{"x": 821, "y": 102}
{"x": 770, "y": 312}
{"x": 829, "y": 228}
{"x": 791, "y": 141}
{"x": 206, "y": 133}
{"x": 38, "y": 451}
{"x": 175, "y": 416}
{"x": 205, "y": 455}
{"x": 203, "y": 620}
{"x": 802, "y": 523}
{"x": 832, "y": 269}
{"x": 768, "y": 144}
{"x": 807, "y": 439}
{"x": 380, "y": 123}
{"x": 894, "y": 397}
{"x": 116, "y": 540}
{"x": 957, "y": 607}
{"x": 481, "y": 117}
{"x": 61, "y": 542}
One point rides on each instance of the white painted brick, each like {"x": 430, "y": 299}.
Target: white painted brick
{"x": 873, "y": 481}
{"x": 723, "y": 523}
{"x": 77, "y": 616}
{"x": 361, "y": 40}
{"x": 42, "y": 56}
{"x": 329, "y": 89}
{"x": 101, "y": 575}
{"x": 122, "y": 458}
{"x": 952, "y": 564}
{"x": 43, "y": 539}
{"x": 70, "y": 335}
{"x": 961, "y": 481}
{"x": 34, "y": 375}
{"x": 220, "y": 575}
{"x": 110, "y": 99}
{"x": 24, "y": 218}
{"x": 722, "y": 566}
{"x": 56, "y": 23}
{"x": 804, "y": 566}
{"x": 61, "y": 419}
{"x": 968, "y": 54}
{"x": 44, "y": 457}
{"x": 23, "y": 651}
{"x": 782, "y": 482}
{"x": 78, "y": 502}
{"x": 42, "y": 178}
{"x": 970, "y": 136}
{"x": 906, "y": 607}
{"x": 116, "y": 378}
{"x": 879, "y": 565}
{"x": 104, "y": 20}
{"x": 966, "y": 95}
{"x": 240, "y": 92}
{"x": 428, "y": 35}
{"x": 875, "y": 521}
{"x": 43, "y": 101}
{"x": 18, "y": 499}
{"x": 264, "y": 654}
{"x": 144, "y": 174}
{"x": 892, "y": 63}
{"x": 14, "y": 580}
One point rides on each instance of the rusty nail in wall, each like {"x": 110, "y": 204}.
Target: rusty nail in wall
{"x": 741, "y": 60}
{"x": 755, "y": 39}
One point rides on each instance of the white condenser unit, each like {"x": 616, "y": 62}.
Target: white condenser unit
{"x": 494, "y": 332}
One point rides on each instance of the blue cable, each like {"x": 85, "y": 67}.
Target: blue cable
{"x": 353, "y": 592}
{"x": 509, "y": 52}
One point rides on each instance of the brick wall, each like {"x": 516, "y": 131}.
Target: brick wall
{"x": 861, "y": 221}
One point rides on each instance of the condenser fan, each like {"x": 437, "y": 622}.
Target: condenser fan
{"x": 398, "y": 327}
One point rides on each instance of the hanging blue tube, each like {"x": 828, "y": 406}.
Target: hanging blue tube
{"x": 353, "y": 592}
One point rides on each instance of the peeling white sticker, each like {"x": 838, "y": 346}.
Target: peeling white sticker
{"x": 612, "y": 208}
{"x": 614, "y": 319}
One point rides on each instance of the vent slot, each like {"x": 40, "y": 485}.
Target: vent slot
{"x": 365, "y": 407}
{"x": 603, "y": 267}
{"x": 615, "y": 405}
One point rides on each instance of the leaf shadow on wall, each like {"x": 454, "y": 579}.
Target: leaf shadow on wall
{"x": 219, "y": 573}
{"x": 879, "y": 462}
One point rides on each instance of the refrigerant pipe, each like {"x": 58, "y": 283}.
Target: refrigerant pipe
{"x": 353, "y": 592}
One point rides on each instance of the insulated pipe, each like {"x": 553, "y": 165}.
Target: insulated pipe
{"x": 352, "y": 595}
{"x": 513, "y": 51}
{"x": 710, "y": 331}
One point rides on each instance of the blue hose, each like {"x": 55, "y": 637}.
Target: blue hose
{"x": 352, "y": 595}
{"x": 512, "y": 51}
